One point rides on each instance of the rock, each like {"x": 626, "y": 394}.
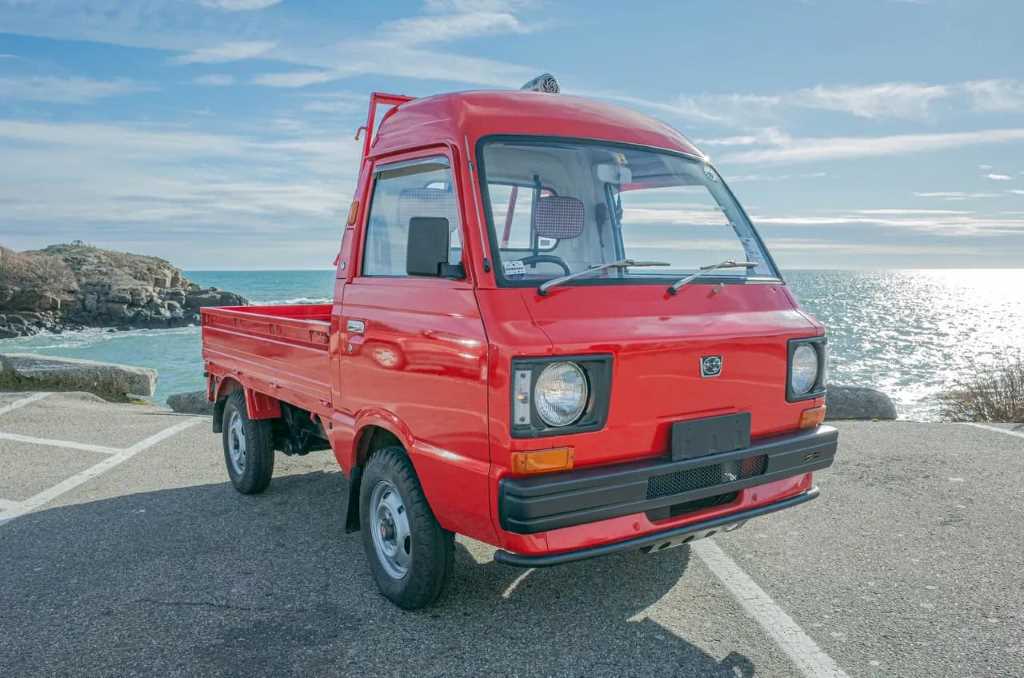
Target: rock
{"x": 75, "y": 285}
{"x": 178, "y": 296}
{"x": 117, "y": 310}
{"x": 27, "y": 372}
{"x": 858, "y": 402}
{"x": 194, "y": 402}
{"x": 213, "y": 297}
{"x": 120, "y": 297}
{"x": 163, "y": 278}
{"x": 33, "y": 300}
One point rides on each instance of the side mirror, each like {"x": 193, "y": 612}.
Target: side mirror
{"x": 428, "y": 247}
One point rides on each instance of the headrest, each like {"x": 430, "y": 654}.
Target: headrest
{"x": 427, "y": 202}
{"x": 558, "y": 216}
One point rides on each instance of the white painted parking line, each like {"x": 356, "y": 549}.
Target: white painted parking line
{"x": 7, "y": 505}
{"x": 49, "y": 442}
{"x": 21, "y": 403}
{"x": 798, "y": 646}
{"x": 1016, "y": 434}
{"x": 94, "y": 471}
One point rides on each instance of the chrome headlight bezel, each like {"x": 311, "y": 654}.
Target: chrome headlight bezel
{"x": 526, "y": 420}
{"x": 817, "y": 388}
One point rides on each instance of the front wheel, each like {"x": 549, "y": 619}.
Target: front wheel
{"x": 410, "y": 554}
{"x": 248, "y": 447}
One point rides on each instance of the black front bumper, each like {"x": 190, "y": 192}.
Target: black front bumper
{"x": 706, "y": 526}
{"x": 540, "y": 503}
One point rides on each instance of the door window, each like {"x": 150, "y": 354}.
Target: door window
{"x": 403, "y": 191}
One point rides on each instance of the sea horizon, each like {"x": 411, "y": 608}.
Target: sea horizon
{"x": 911, "y": 333}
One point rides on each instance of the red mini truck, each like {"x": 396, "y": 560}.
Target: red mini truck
{"x": 554, "y": 330}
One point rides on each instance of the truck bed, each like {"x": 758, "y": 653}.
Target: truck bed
{"x": 281, "y": 351}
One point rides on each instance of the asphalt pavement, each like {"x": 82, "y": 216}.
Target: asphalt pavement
{"x": 125, "y": 551}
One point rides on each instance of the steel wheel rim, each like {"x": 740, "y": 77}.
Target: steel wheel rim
{"x": 236, "y": 443}
{"x": 389, "y": 527}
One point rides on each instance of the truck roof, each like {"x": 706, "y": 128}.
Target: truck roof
{"x": 459, "y": 116}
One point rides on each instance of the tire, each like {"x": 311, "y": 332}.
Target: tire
{"x": 410, "y": 555}
{"x": 248, "y": 447}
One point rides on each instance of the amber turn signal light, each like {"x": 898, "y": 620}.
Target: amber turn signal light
{"x": 812, "y": 417}
{"x": 353, "y": 211}
{"x": 542, "y": 461}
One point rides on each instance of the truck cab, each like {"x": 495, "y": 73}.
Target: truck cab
{"x": 554, "y": 330}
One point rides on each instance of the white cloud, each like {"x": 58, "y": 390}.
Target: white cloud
{"x": 337, "y": 102}
{"x": 771, "y": 136}
{"x": 888, "y": 100}
{"x": 229, "y": 51}
{"x": 128, "y": 183}
{"x": 295, "y": 78}
{"x": 984, "y": 167}
{"x": 238, "y": 5}
{"x": 810, "y": 149}
{"x": 996, "y": 96}
{"x": 215, "y": 80}
{"x": 956, "y": 224}
{"x": 956, "y": 195}
{"x": 66, "y": 90}
{"x": 904, "y": 100}
{"x": 911, "y": 211}
{"x": 746, "y": 178}
{"x": 447, "y": 27}
{"x": 1016, "y": 191}
{"x": 999, "y": 177}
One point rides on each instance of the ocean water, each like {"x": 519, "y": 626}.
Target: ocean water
{"x": 910, "y": 333}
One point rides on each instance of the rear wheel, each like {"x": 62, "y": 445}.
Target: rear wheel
{"x": 410, "y": 554}
{"x": 248, "y": 447}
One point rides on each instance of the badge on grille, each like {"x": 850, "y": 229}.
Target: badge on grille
{"x": 710, "y": 366}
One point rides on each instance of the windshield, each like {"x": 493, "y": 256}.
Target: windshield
{"x": 561, "y": 207}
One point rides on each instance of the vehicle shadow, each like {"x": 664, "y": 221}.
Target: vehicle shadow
{"x": 203, "y": 581}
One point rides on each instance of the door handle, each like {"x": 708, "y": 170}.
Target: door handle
{"x": 355, "y": 326}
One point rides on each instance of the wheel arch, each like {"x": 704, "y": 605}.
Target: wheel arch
{"x": 372, "y": 434}
{"x": 257, "y": 405}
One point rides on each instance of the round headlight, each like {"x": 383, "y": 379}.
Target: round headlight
{"x": 560, "y": 394}
{"x": 803, "y": 373}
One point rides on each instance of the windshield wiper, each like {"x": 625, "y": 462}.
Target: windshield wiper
{"x": 704, "y": 270}
{"x": 621, "y": 263}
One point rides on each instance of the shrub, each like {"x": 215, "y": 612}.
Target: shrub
{"x": 33, "y": 270}
{"x": 996, "y": 395}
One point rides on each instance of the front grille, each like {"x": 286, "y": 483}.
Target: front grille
{"x": 705, "y": 476}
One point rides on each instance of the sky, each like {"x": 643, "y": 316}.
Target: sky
{"x": 219, "y": 133}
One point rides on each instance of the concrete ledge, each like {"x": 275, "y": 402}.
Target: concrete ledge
{"x": 858, "y": 402}
{"x": 118, "y": 383}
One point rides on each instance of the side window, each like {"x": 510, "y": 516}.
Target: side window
{"x": 401, "y": 192}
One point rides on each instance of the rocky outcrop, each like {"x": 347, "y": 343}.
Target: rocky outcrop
{"x": 858, "y": 402}
{"x": 73, "y": 286}
{"x": 193, "y": 402}
{"x": 118, "y": 383}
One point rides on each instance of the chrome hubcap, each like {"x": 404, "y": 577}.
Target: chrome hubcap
{"x": 389, "y": 526}
{"x": 236, "y": 443}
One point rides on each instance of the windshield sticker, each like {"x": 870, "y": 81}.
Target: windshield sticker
{"x": 514, "y": 269}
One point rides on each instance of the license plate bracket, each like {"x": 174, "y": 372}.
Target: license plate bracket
{"x": 673, "y": 542}
{"x": 710, "y": 435}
